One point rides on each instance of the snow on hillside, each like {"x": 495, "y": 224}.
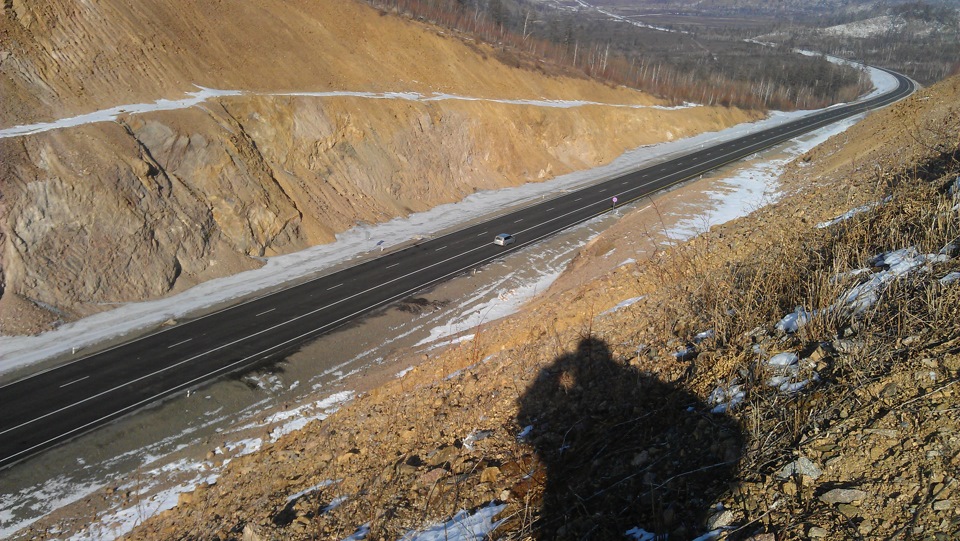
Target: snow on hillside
{"x": 867, "y": 27}
{"x": 883, "y": 25}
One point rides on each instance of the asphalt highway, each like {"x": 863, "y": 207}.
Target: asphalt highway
{"x": 51, "y": 407}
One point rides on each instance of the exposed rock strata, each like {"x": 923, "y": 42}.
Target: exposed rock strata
{"x": 153, "y": 203}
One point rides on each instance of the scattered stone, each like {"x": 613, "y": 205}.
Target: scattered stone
{"x": 250, "y": 534}
{"x": 348, "y": 456}
{"x": 721, "y": 519}
{"x": 895, "y": 434}
{"x": 848, "y": 510}
{"x": 445, "y": 455}
{"x": 801, "y": 466}
{"x": 490, "y": 475}
{"x": 943, "y": 505}
{"x": 843, "y": 496}
{"x": 789, "y": 488}
{"x": 431, "y": 477}
{"x": 816, "y": 532}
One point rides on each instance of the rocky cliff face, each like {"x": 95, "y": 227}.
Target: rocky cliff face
{"x": 151, "y": 203}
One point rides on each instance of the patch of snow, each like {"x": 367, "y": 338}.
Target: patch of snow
{"x": 705, "y": 335}
{"x": 898, "y": 263}
{"x": 623, "y": 304}
{"x": 309, "y": 490}
{"x": 792, "y": 322}
{"x": 506, "y": 303}
{"x": 632, "y": 22}
{"x": 751, "y": 187}
{"x": 58, "y": 492}
{"x": 847, "y": 215}
{"x": 904, "y": 260}
{"x": 453, "y": 341}
{"x": 416, "y": 96}
{"x": 848, "y": 274}
{"x": 786, "y": 369}
{"x": 362, "y": 531}
{"x": 244, "y": 447}
{"x": 790, "y": 387}
{"x": 725, "y": 398}
{"x": 525, "y": 432}
{"x": 685, "y": 354}
{"x": 404, "y": 372}
{"x": 639, "y": 534}
{"x": 266, "y": 382}
{"x": 300, "y": 416}
{"x": 950, "y": 278}
{"x": 205, "y": 94}
{"x": 335, "y": 503}
{"x": 111, "y": 115}
{"x": 784, "y": 359}
{"x": 954, "y": 189}
{"x": 464, "y": 526}
{"x": 474, "y": 437}
{"x": 116, "y": 523}
{"x": 867, "y": 28}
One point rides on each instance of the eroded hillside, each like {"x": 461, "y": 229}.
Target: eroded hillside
{"x": 312, "y": 140}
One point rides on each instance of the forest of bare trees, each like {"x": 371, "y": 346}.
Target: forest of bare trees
{"x": 677, "y": 66}
{"x": 920, "y": 41}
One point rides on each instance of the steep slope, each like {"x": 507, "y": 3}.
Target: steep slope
{"x": 623, "y": 433}
{"x": 312, "y": 139}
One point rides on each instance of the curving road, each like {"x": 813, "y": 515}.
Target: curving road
{"x": 54, "y": 406}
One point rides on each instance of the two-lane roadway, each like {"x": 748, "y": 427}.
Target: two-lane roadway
{"x": 51, "y": 407}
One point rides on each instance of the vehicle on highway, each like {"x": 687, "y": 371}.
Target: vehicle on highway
{"x": 504, "y": 239}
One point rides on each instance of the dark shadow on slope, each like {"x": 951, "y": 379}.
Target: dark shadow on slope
{"x": 623, "y": 449}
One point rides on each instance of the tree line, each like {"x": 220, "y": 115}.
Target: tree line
{"x": 674, "y": 66}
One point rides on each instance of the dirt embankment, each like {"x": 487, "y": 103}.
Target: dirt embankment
{"x": 624, "y": 433}
{"x": 153, "y": 203}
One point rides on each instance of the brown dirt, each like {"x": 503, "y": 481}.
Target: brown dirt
{"x": 622, "y": 436}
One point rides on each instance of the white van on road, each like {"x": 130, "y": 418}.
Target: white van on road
{"x": 503, "y": 239}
